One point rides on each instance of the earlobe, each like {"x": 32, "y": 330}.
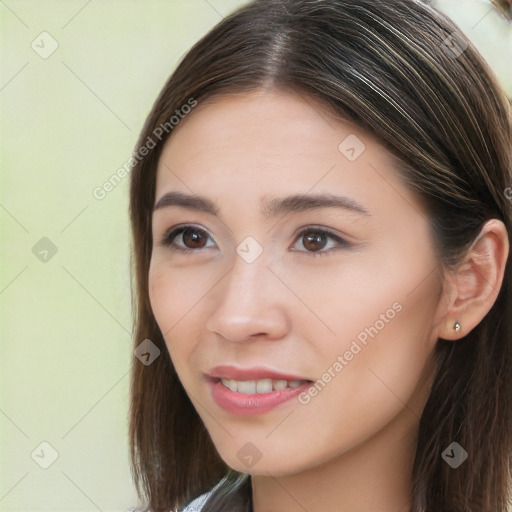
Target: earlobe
{"x": 477, "y": 281}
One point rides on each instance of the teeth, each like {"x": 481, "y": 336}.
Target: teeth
{"x": 279, "y": 384}
{"x": 250, "y": 387}
{"x": 231, "y": 384}
{"x": 264, "y": 386}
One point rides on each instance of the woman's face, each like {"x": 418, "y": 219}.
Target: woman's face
{"x": 281, "y": 282}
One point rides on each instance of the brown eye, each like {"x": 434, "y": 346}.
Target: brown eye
{"x": 314, "y": 240}
{"x": 192, "y": 238}
{"x": 320, "y": 242}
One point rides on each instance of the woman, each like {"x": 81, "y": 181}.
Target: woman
{"x": 321, "y": 239}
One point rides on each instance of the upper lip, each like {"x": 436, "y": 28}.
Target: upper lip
{"x": 252, "y": 373}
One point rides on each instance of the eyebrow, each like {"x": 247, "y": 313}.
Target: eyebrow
{"x": 272, "y": 208}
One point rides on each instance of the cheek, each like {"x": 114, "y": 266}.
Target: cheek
{"x": 168, "y": 303}
{"x": 173, "y": 293}
{"x": 175, "y": 296}
{"x": 381, "y": 359}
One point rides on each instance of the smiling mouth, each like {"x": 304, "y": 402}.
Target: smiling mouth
{"x": 253, "y": 397}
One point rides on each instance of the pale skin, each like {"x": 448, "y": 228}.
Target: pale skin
{"x": 351, "y": 448}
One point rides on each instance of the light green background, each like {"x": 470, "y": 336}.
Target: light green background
{"x": 68, "y": 123}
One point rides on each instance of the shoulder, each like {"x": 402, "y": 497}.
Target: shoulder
{"x": 197, "y": 504}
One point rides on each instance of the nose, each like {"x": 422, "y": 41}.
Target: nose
{"x": 249, "y": 302}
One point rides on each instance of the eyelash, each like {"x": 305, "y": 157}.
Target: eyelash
{"x": 168, "y": 240}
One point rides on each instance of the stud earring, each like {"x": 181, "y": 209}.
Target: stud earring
{"x": 457, "y": 326}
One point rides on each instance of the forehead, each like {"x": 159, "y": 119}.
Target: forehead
{"x": 263, "y": 130}
{"x": 268, "y": 143}
{"x": 266, "y": 123}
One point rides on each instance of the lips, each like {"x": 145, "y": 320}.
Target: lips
{"x": 251, "y": 391}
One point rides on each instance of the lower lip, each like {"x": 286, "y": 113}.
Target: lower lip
{"x": 257, "y": 403}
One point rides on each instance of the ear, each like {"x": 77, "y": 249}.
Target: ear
{"x": 475, "y": 284}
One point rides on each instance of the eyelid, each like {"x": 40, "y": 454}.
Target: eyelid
{"x": 322, "y": 229}
{"x": 175, "y": 231}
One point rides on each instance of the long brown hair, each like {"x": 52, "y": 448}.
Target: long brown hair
{"x": 402, "y": 71}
